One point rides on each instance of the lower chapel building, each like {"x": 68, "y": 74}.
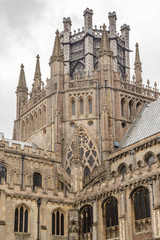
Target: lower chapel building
{"x": 84, "y": 161}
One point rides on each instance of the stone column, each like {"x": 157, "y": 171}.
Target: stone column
{"x": 95, "y": 220}
{"x": 122, "y": 214}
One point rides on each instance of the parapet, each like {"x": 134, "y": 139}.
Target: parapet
{"x": 88, "y": 11}
{"x": 125, "y": 27}
{"x": 25, "y": 148}
{"x": 113, "y": 14}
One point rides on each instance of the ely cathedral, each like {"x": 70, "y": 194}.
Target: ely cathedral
{"x": 84, "y": 160}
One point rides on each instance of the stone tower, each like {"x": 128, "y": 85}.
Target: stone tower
{"x": 89, "y": 87}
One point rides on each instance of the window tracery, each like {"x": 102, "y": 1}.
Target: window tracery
{"x": 88, "y": 153}
{"x": 21, "y": 219}
{"x": 142, "y": 213}
{"x": 58, "y": 223}
{"x": 111, "y": 218}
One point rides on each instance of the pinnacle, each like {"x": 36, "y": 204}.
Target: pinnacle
{"x": 22, "y": 79}
{"x": 57, "y": 52}
{"x": 105, "y": 45}
{"x": 37, "y": 70}
{"x": 137, "y": 57}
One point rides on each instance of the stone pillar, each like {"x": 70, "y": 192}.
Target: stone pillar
{"x": 88, "y": 26}
{"x": 112, "y": 35}
{"x": 66, "y": 47}
{"x": 73, "y": 231}
{"x": 122, "y": 218}
{"x": 95, "y": 220}
{"x": 125, "y": 34}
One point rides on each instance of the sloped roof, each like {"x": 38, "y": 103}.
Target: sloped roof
{"x": 146, "y": 124}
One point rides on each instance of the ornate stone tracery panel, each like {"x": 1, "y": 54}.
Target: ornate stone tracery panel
{"x": 88, "y": 153}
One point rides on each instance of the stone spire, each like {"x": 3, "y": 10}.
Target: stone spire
{"x": 105, "y": 45}
{"x": 37, "y": 76}
{"x": 22, "y": 86}
{"x": 138, "y": 66}
{"x": 57, "y": 51}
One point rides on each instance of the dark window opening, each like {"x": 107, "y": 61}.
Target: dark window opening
{"x": 141, "y": 204}
{"x": 3, "y": 172}
{"x": 111, "y": 212}
{"x": 87, "y": 219}
{"x": 58, "y": 223}
{"x": 37, "y": 180}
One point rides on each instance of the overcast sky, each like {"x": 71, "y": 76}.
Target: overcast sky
{"x": 27, "y": 28}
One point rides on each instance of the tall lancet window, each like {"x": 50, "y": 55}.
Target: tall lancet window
{"x": 90, "y": 105}
{"x": 73, "y": 107}
{"x": 81, "y": 107}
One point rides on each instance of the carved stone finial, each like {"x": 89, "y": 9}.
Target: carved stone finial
{"x": 137, "y": 66}
{"x": 105, "y": 45}
{"x": 57, "y": 51}
{"x": 22, "y": 86}
{"x": 148, "y": 82}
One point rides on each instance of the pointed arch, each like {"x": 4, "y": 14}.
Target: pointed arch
{"x": 81, "y": 105}
{"x": 72, "y": 107}
{"x": 44, "y": 115}
{"x": 26, "y": 128}
{"x": 39, "y": 118}
{"x": 138, "y": 107}
{"x": 35, "y": 122}
{"x": 89, "y": 151}
{"x": 30, "y": 124}
{"x": 90, "y": 105}
{"x": 23, "y": 130}
{"x": 123, "y": 107}
{"x": 131, "y": 108}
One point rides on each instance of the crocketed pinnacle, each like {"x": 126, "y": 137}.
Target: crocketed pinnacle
{"x": 138, "y": 66}
{"x": 105, "y": 45}
{"x": 137, "y": 58}
{"x": 22, "y": 80}
{"x": 57, "y": 51}
{"x": 37, "y": 70}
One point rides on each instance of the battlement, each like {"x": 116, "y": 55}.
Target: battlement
{"x": 144, "y": 90}
{"x": 25, "y": 148}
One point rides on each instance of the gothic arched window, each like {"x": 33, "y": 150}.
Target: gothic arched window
{"x": 86, "y": 215}
{"x": 122, "y": 107}
{"x": 37, "y": 180}
{"x": 81, "y": 107}
{"x": 73, "y": 107}
{"x": 90, "y": 105}
{"x": 58, "y": 223}
{"x": 88, "y": 153}
{"x": 141, "y": 204}
{"x": 111, "y": 218}
{"x": 3, "y": 172}
{"x": 21, "y": 219}
{"x": 131, "y": 108}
